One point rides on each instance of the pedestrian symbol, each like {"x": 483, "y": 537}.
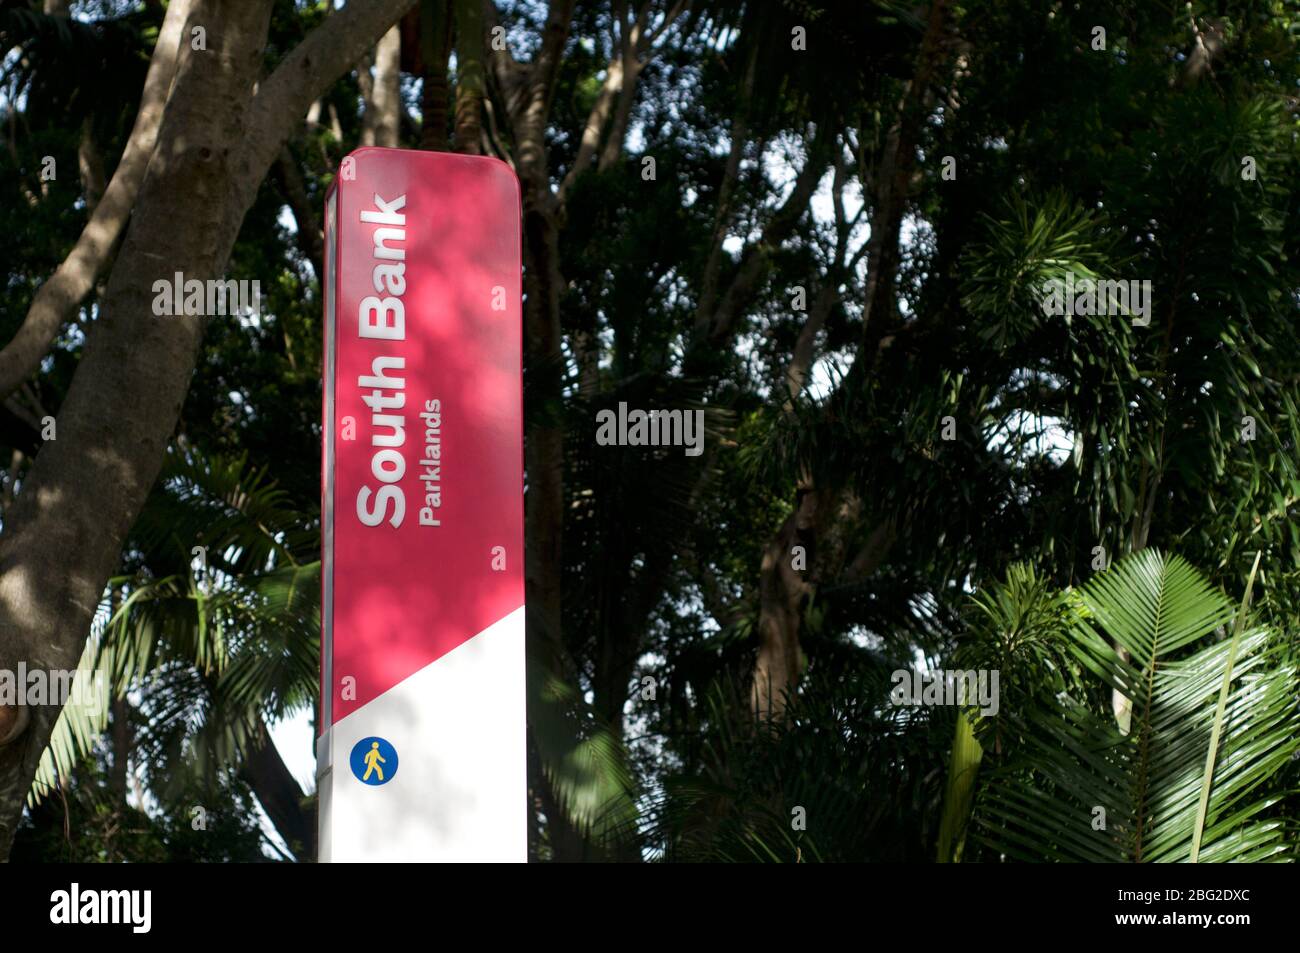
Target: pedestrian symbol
{"x": 374, "y": 761}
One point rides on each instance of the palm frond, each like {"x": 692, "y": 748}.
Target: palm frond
{"x": 215, "y": 646}
{"x": 583, "y": 760}
{"x": 1084, "y": 791}
{"x": 81, "y": 721}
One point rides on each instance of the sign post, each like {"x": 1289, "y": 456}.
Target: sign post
{"x": 421, "y": 745}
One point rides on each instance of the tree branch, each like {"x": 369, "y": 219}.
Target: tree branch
{"x": 755, "y": 257}
{"x": 312, "y": 67}
{"x": 56, "y": 301}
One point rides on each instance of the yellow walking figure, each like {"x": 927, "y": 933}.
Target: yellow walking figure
{"x": 373, "y": 760}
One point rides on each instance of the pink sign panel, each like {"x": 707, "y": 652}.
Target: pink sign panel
{"x": 422, "y": 508}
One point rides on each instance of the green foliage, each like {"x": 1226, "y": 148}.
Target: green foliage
{"x": 1070, "y": 432}
{"x": 825, "y": 766}
{"x": 1162, "y": 616}
{"x": 214, "y": 645}
{"x": 89, "y": 822}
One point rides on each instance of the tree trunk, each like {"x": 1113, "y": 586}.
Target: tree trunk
{"x": 527, "y": 93}
{"x": 382, "y": 119}
{"x": 280, "y": 796}
{"x": 470, "y": 82}
{"x": 310, "y": 239}
{"x": 62, "y": 536}
{"x": 91, "y": 165}
{"x": 781, "y": 590}
{"x": 435, "y": 40}
{"x": 85, "y": 488}
{"x": 820, "y": 525}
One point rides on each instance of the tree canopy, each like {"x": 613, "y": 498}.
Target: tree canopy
{"x": 834, "y": 228}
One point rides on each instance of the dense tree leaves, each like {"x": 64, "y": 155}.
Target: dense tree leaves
{"x": 947, "y": 435}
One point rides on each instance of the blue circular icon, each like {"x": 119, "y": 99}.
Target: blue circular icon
{"x": 374, "y": 761}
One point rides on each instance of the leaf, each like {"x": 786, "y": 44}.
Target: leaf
{"x": 1150, "y": 783}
